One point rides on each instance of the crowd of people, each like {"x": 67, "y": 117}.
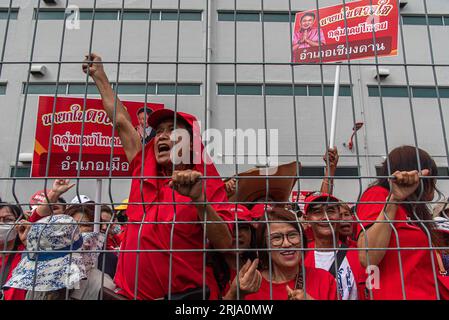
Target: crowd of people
{"x": 184, "y": 233}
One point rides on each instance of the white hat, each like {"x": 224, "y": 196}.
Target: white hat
{"x": 54, "y": 260}
{"x": 442, "y": 224}
{"x": 83, "y": 199}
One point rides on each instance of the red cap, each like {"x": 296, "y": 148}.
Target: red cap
{"x": 259, "y": 210}
{"x": 38, "y": 197}
{"x": 162, "y": 114}
{"x": 243, "y": 213}
{"x": 314, "y": 197}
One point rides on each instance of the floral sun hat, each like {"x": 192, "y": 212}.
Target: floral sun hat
{"x": 54, "y": 260}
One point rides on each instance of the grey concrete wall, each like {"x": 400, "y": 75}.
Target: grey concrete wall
{"x": 48, "y": 44}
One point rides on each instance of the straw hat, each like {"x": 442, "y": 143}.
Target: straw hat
{"x": 278, "y": 189}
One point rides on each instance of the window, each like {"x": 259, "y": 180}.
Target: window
{"x": 421, "y": 20}
{"x": 443, "y": 171}
{"x": 123, "y": 88}
{"x": 140, "y": 15}
{"x": 184, "y": 89}
{"x": 318, "y": 171}
{"x": 378, "y": 171}
{"x": 44, "y": 88}
{"x": 2, "y": 88}
{"x": 135, "y": 88}
{"x": 225, "y": 16}
{"x": 21, "y": 171}
{"x": 300, "y": 90}
{"x": 43, "y": 14}
{"x": 252, "y": 16}
{"x": 242, "y": 89}
{"x": 6, "y": 13}
{"x": 444, "y": 92}
{"x": 278, "y": 90}
{"x": 278, "y": 17}
{"x": 317, "y": 90}
{"x": 311, "y": 171}
{"x": 282, "y": 90}
{"x": 424, "y": 92}
{"x": 60, "y": 14}
{"x": 127, "y": 14}
{"x": 390, "y": 92}
{"x": 248, "y": 16}
{"x": 80, "y": 88}
{"x": 402, "y": 92}
{"x": 347, "y": 172}
{"x": 183, "y": 16}
{"x": 99, "y": 14}
{"x": 413, "y": 20}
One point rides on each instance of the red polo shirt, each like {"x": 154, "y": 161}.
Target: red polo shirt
{"x": 13, "y": 293}
{"x": 417, "y": 271}
{"x": 164, "y": 206}
{"x": 319, "y": 284}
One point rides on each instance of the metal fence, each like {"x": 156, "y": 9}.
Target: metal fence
{"x": 229, "y": 64}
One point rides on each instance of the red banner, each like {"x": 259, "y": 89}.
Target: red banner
{"x": 62, "y": 150}
{"x": 300, "y": 198}
{"x": 370, "y": 29}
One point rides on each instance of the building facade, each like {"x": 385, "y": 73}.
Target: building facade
{"x": 227, "y": 62}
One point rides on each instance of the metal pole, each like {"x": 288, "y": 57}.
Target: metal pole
{"x": 335, "y": 107}
{"x": 97, "y": 218}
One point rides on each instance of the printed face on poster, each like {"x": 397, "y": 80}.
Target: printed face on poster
{"x": 370, "y": 29}
{"x": 61, "y": 148}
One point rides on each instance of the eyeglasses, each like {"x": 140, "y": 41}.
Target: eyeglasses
{"x": 7, "y": 219}
{"x": 277, "y": 239}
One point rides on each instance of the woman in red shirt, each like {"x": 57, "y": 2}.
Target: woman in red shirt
{"x": 402, "y": 274}
{"x": 222, "y": 270}
{"x": 10, "y": 240}
{"x": 287, "y": 277}
{"x": 172, "y": 195}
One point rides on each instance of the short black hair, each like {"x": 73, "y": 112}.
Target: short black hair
{"x": 15, "y": 209}
{"x": 143, "y": 109}
{"x": 309, "y": 14}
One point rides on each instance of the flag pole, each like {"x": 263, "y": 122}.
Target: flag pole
{"x": 335, "y": 107}
{"x": 97, "y": 219}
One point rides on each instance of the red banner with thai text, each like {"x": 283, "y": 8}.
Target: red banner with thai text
{"x": 370, "y": 29}
{"x": 77, "y": 138}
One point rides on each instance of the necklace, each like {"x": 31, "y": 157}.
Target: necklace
{"x": 299, "y": 283}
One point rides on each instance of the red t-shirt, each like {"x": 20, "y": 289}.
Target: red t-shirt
{"x": 113, "y": 242}
{"x": 34, "y": 217}
{"x": 213, "y": 285}
{"x": 13, "y": 293}
{"x": 416, "y": 264}
{"x": 350, "y": 243}
{"x": 153, "y": 266}
{"x": 352, "y": 257}
{"x": 319, "y": 284}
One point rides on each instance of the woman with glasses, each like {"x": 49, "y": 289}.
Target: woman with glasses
{"x": 281, "y": 242}
{"x": 12, "y": 232}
